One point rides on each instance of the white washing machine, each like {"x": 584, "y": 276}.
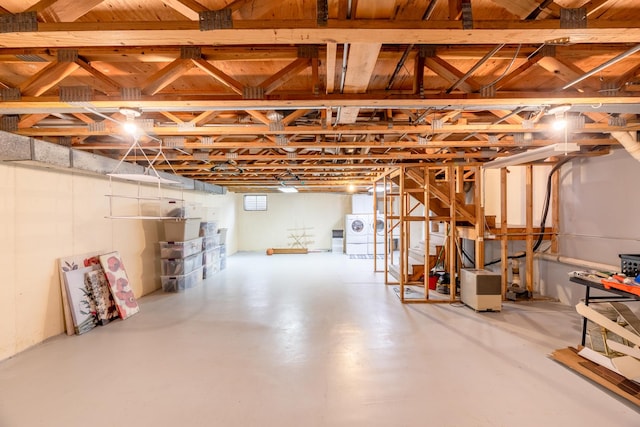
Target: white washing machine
{"x": 357, "y": 227}
{"x": 376, "y": 227}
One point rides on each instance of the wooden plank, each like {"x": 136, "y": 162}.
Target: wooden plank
{"x": 282, "y": 76}
{"x": 109, "y": 86}
{"x": 504, "y": 243}
{"x": 565, "y": 72}
{"x": 418, "y": 75}
{"x": 250, "y": 9}
{"x": 172, "y": 117}
{"x": 276, "y": 251}
{"x": 292, "y": 117}
{"x": 179, "y": 33}
{"x": 204, "y": 117}
{"x": 529, "y": 220}
{"x": 31, "y": 119}
{"x": 46, "y": 78}
{"x": 332, "y": 50}
{"x": 555, "y": 211}
{"x": 40, "y": 6}
{"x": 360, "y": 64}
{"x": 515, "y": 74}
{"x": 479, "y": 242}
{"x": 453, "y": 235}
{"x": 68, "y": 10}
{"x": 600, "y": 375}
{"x": 189, "y": 8}
{"x": 165, "y": 76}
{"x": 258, "y": 115}
{"x": 451, "y": 74}
{"x": 219, "y": 75}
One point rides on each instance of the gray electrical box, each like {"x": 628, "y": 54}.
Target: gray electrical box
{"x": 481, "y": 289}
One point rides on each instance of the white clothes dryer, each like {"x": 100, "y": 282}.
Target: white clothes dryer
{"x": 357, "y": 227}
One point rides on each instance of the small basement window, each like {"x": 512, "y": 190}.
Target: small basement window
{"x": 255, "y": 202}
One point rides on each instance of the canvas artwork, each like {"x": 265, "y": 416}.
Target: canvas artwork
{"x": 98, "y": 288}
{"x": 67, "y": 264}
{"x": 83, "y": 310}
{"x": 119, "y": 284}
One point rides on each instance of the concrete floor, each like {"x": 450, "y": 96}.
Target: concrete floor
{"x": 308, "y": 340}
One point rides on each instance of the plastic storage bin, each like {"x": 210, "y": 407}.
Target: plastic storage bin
{"x": 176, "y": 266}
{"x": 181, "y": 282}
{"x": 180, "y": 249}
{"x": 208, "y": 228}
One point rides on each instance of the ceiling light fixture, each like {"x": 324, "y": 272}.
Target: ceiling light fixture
{"x": 533, "y": 155}
{"x": 130, "y": 113}
{"x": 284, "y": 189}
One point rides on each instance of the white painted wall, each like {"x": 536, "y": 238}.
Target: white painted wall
{"x": 516, "y": 196}
{"x": 599, "y": 219}
{"x": 46, "y": 214}
{"x": 289, "y": 214}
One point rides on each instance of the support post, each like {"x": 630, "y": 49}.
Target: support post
{"x": 504, "y": 243}
{"x": 529, "y": 215}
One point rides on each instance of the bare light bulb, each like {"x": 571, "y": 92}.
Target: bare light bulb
{"x": 130, "y": 128}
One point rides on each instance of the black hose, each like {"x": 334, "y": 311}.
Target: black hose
{"x": 545, "y": 212}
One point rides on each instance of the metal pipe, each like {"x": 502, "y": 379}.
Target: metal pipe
{"x": 603, "y": 66}
{"x": 578, "y": 262}
{"x": 475, "y": 67}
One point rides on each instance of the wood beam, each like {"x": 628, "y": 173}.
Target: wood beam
{"x": 523, "y": 8}
{"x": 165, "y": 76}
{"x": 65, "y": 11}
{"x": 46, "y": 78}
{"x": 219, "y": 75}
{"x": 30, "y": 120}
{"x": 259, "y": 116}
{"x": 451, "y": 74}
{"x": 189, "y": 8}
{"x": 181, "y": 33}
{"x": 292, "y": 117}
{"x": 250, "y": 9}
{"x": 529, "y": 227}
{"x": 517, "y": 72}
{"x": 330, "y": 66}
{"x": 282, "y": 76}
{"x": 504, "y": 243}
{"x": 109, "y": 86}
{"x": 565, "y": 72}
{"x": 361, "y": 62}
{"x": 172, "y": 117}
{"x": 360, "y": 129}
{"x": 455, "y": 9}
{"x": 594, "y": 8}
{"x": 40, "y": 6}
{"x": 204, "y": 117}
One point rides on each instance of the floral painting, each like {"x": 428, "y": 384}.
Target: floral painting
{"x": 105, "y": 304}
{"x": 119, "y": 284}
{"x": 83, "y": 310}
{"x": 67, "y": 264}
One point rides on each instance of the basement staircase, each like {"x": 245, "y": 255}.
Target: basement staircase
{"x": 450, "y": 192}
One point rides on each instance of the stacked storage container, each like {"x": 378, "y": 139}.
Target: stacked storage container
{"x": 223, "y": 248}
{"x": 210, "y": 248}
{"x": 181, "y": 264}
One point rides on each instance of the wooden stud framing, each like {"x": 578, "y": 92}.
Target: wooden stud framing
{"x": 504, "y": 243}
{"x": 529, "y": 219}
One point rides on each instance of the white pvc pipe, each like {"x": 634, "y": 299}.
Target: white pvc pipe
{"x": 629, "y": 142}
{"x": 578, "y": 262}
